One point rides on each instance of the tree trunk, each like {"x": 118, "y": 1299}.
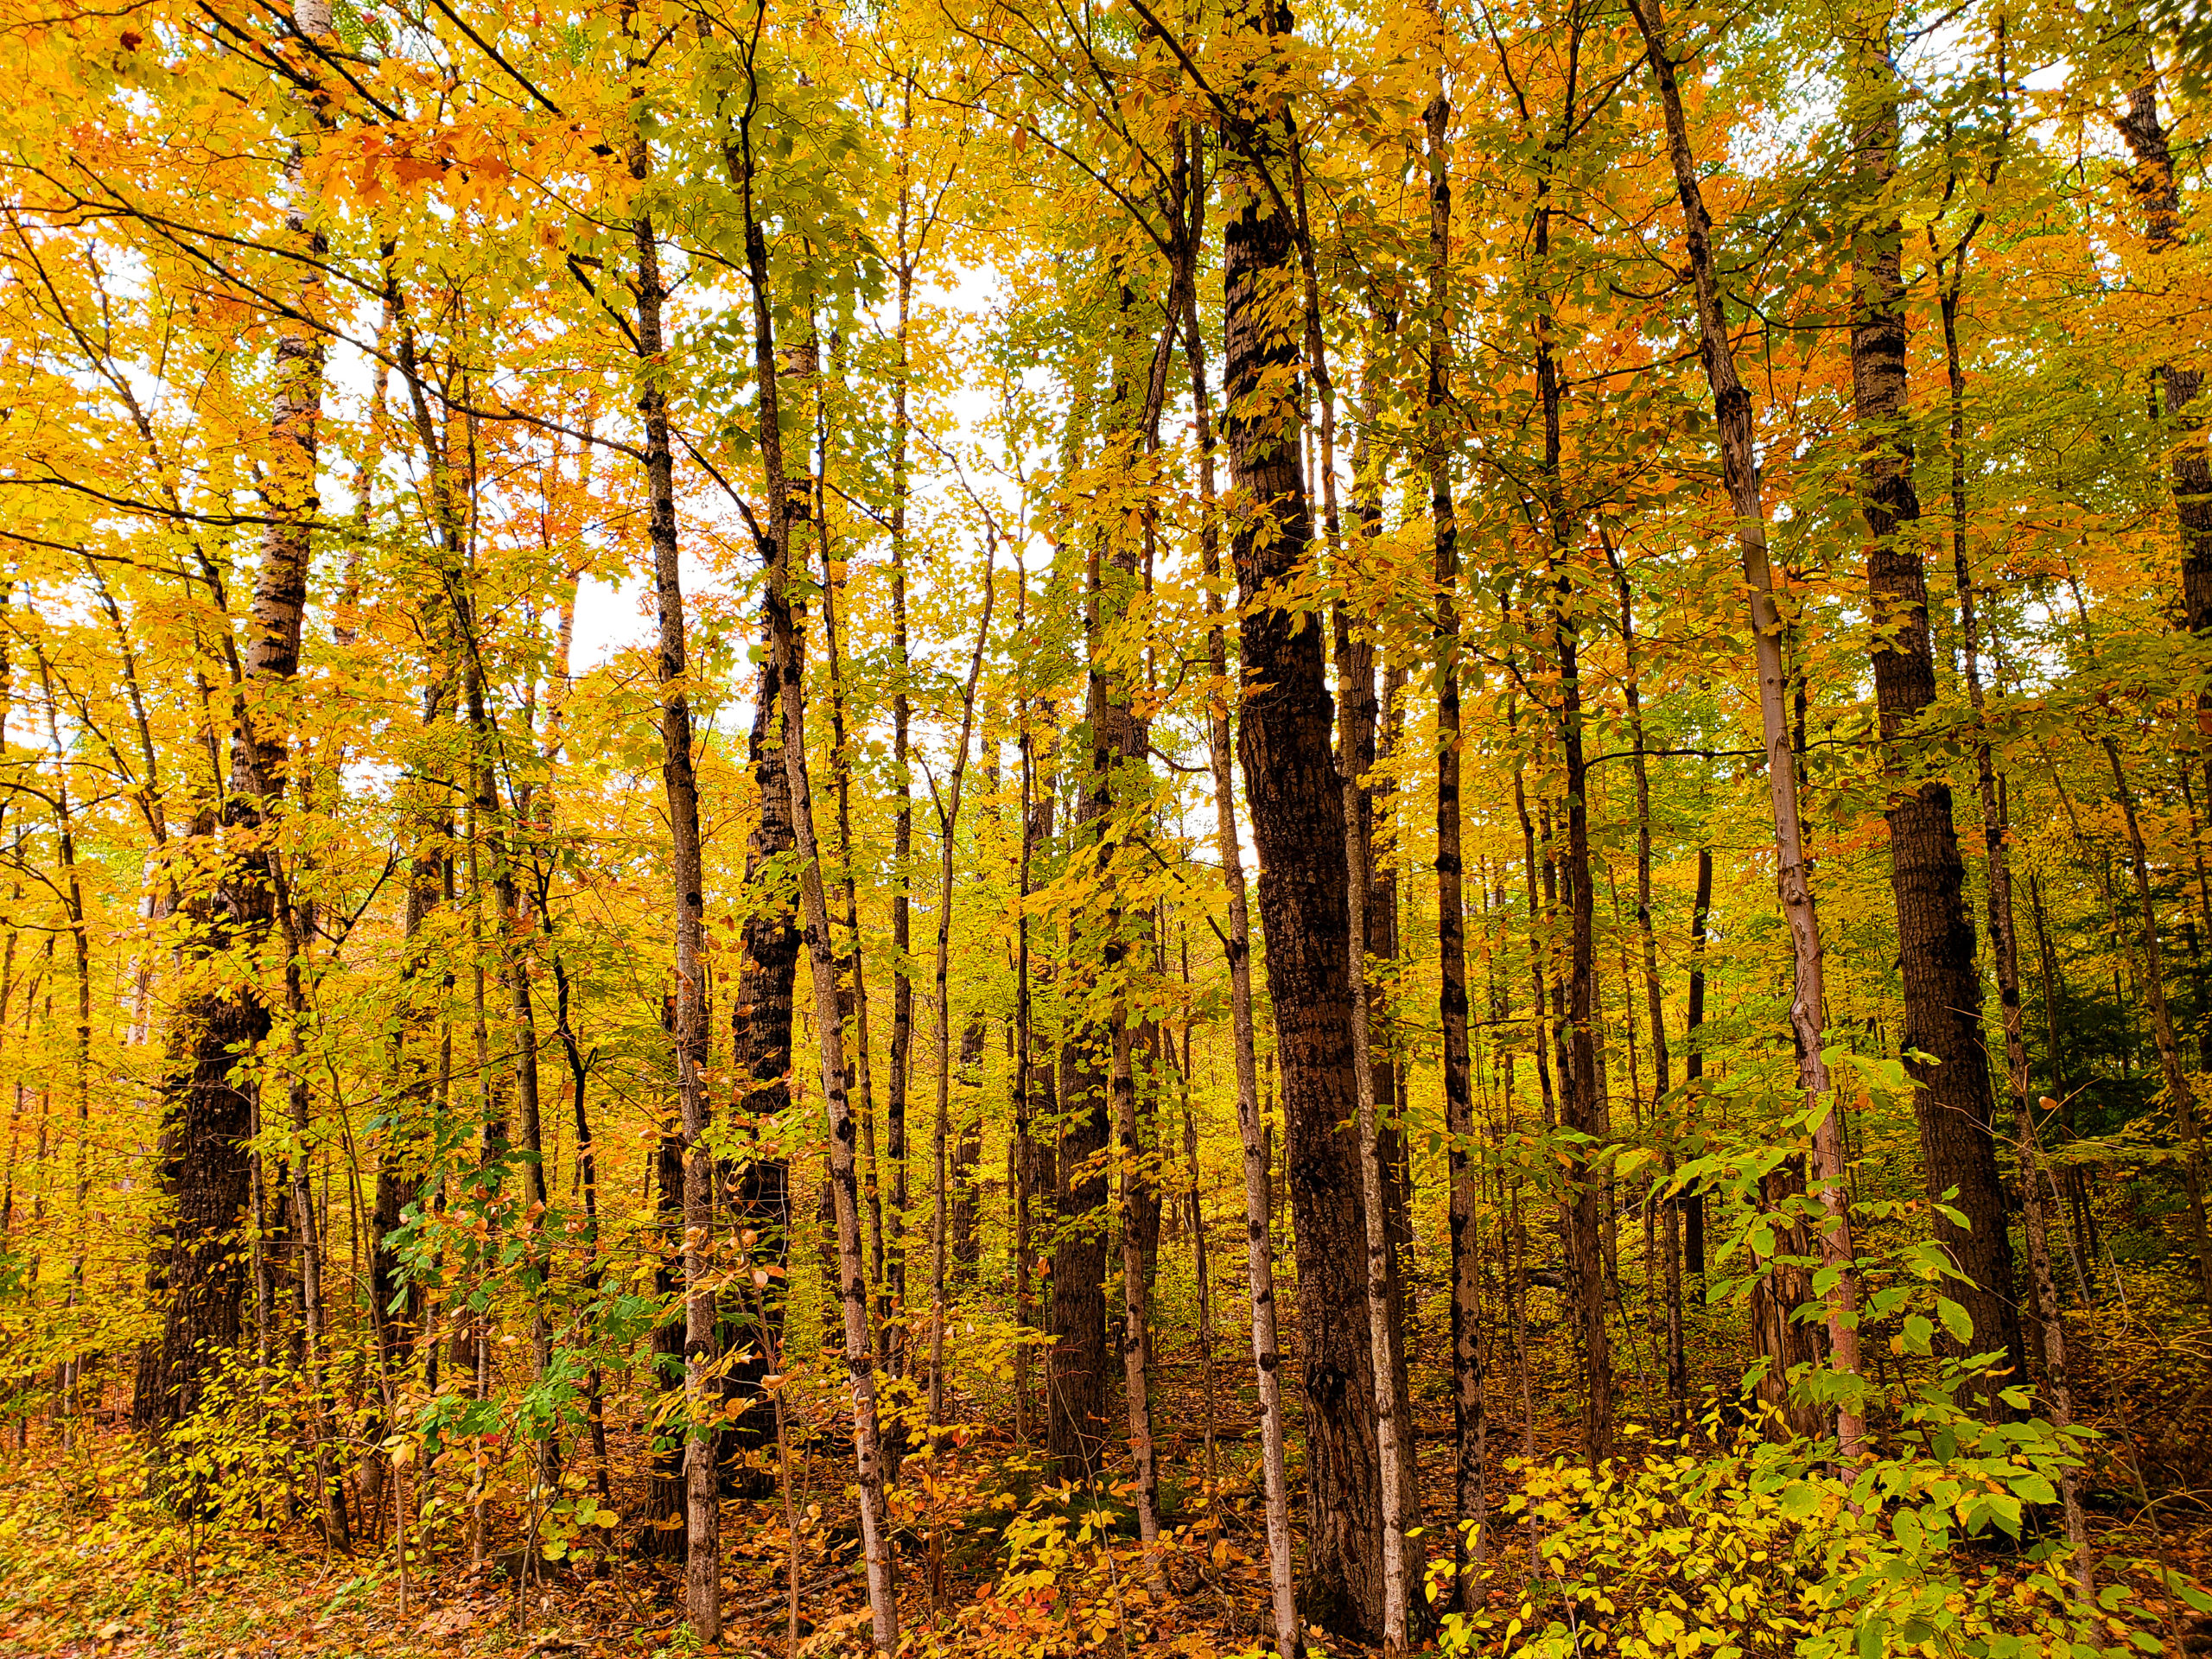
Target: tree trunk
{"x": 1471, "y": 1502}
{"x": 890, "y": 1289}
{"x": 820, "y": 945}
{"x": 940, "y": 1177}
{"x": 1732, "y": 407}
{"x": 1032, "y": 1081}
{"x": 1693, "y": 1061}
{"x": 1097, "y": 1081}
{"x": 702, "y": 1509}
{"x": 1378, "y": 1242}
{"x": 1952, "y": 1098}
{"x": 968, "y": 1153}
{"x": 2181, "y": 1094}
{"x": 1583, "y": 1108}
{"x": 1297, "y": 811}
{"x": 2159, "y": 192}
{"x": 760, "y": 1037}
{"x": 852, "y": 984}
{"x": 759, "y": 1190}
{"x": 1259, "y": 1250}
{"x": 1663, "y": 1127}
{"x": 203, "y": 1169}
{"x": 1359, "y": 748}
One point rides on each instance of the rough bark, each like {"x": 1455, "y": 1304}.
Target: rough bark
{"x": 761, "y": 1036}
{"x": 702, "y": 1509}
{"x": 208, "y": 1111}
{"x": 1469, "y": 1424}
{"x": 1297, "y": 814}
{"x": 1733, "y": 408}
{"x": 758, "y": 1189}
{"x": 1952, "y": 1099}
{"x": 1694, "y": 1060}
{"x": 2157, "y": 191}
{"x": 967, "y": 1153}
{"x": 1378, "y": 1243}
{"x": 821, "y": 947}
{"x": 1360, "y": 733}
{"x": 1259, "y": 1258}
{"x": 1663, "y": 1127}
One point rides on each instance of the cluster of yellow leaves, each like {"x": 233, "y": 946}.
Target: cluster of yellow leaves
{"x": 1740, "y": 1556}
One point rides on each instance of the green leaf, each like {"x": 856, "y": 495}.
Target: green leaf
{"x": 1956, "y": 1319}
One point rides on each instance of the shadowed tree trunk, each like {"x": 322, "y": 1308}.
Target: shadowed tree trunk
{"x": 968, "y": 1153}
{"x": 2159, "y": 193}
{"x": 1293, "y": 793}
{"x": 1078, "y": 1377}
{"x": 1258, "y": 1251}
{"x": 207, "y": 1108}
{"x": 1469, "y": 1426}
{"x": 760, "y": 1034}
{"x": 820, "y": 945}
{"x": 891, "y": 1286}
{"x": 1952, "y": 1100}
{"x": 1739, "y": 469}
{"x": 701, "y": 1508}
{"x": 1693, "y": 1061}
{"x": 1647, "y": 937}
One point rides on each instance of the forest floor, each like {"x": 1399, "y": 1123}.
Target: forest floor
{"x": 89, "y": 1567}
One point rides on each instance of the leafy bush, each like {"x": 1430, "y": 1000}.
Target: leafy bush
{"x": 1759, "y": 1551}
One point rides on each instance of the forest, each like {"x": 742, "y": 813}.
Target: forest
{"x": 1034, "y": 827}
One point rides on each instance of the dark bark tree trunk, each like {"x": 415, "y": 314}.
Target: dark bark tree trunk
{"x": 1582, "y": 1092}
{"x": 703, "y": 1512}
{"x": 208, "y": 1109}
{"x": 1360, "y": 733}
{"x": 2004, "y": 937}
{"x": 2180, "y": 1093}
{"x": 1952, "y": 1100}
{"x": 941, "y": 1128}
{"x": 814, "y": 910}
{"x": 891, "y": 1288}
{"x": 852, "y": 983}
{"x": 1783, "y": 1341}
{"x": 1259, "y": 1249}
{"x": 1693, "y": 1061}
{"x": 760, "y": 1036}
{"x": 1077, "y": 1376}
{"x": 968, "y": 1153}
{"x": 1663, "y": 1126}
{"x": 1469, "y": 1423}
{"x": 2159, "y": 192}
{"x": 1583, "y": 1108}
{"x": 1032, "y": 1081}
{"x": 1297, "y": 809}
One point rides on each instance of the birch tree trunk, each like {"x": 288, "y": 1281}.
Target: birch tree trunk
{"x": 1378, "y": 1247}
